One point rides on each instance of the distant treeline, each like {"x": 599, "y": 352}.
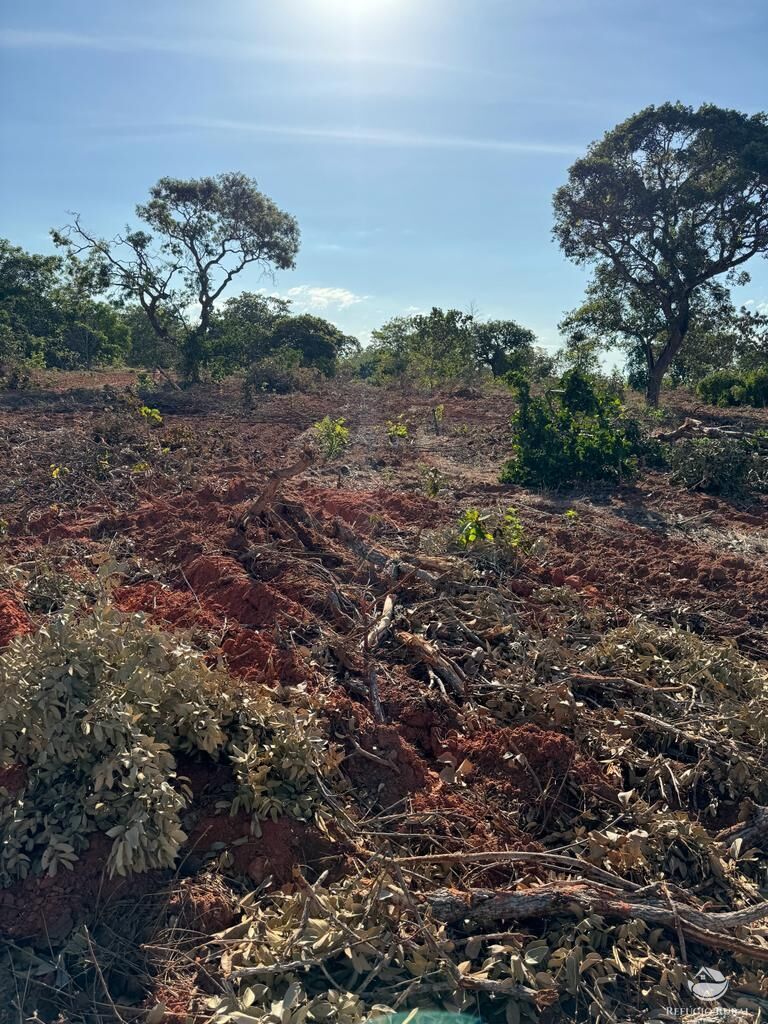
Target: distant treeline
{"x": 667, "y": 209}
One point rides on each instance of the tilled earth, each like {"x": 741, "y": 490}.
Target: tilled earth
{"x": 579, "y": 721}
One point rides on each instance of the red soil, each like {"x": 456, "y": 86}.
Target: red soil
{"x": 14, "y": 621}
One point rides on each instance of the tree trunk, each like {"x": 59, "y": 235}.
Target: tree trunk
{"x": 192, "y": 354}
{"x": 653, "y": 388}
{"x": 657, "y": 369}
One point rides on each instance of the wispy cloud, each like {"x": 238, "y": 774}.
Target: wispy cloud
{"x": 221, "y": 48}
{"x": 378, "y": 137}
{"x": 314, "y": 298}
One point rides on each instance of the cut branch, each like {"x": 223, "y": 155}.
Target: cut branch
{"x": 483, "y": 907}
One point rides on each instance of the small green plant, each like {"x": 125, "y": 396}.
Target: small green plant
{"x": 143, "y": 380}
{"x": 571, "y": 516}
{"x": 332, "y": 437}
{"x": 152, "y": 416}
{"x": 438, "y": 415}
{"x": 58, "y": 472}
{"x": 397, "y": 429}
{"x": 510, "y": 531}
{"x": 472, "y": 528}
{"x": 434, "y": 481}
{"x": 501, "y": 531}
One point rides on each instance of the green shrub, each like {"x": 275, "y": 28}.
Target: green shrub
{"x": 279, "y": 373}
{"x": 331, "y": 436}
{"x": 756, "y": 383}
{"x": 730, "y": 467}
{"x": 502, "y": 531}
{"x": 397, "y": 429}
{"x": 94, "y": 711}
{"x": 727, "y": 388}
{"x": 576, "y": 432}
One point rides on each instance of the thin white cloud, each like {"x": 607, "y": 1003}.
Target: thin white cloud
{"x": 377, "y": 137}
{"x": 226, "y": 49}
{"x": 312, "y": 297}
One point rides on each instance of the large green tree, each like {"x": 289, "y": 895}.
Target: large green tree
{"x": 28, "y": 313}
{"x": 197, "y": 235}
{"x": 616, "y": 315}
{"x": 319, "y": 343}
{"x": 670, "y": 199}
{"x": 503, "y": 345}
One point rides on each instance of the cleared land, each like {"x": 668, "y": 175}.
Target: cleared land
{"x": 552, "y": 784}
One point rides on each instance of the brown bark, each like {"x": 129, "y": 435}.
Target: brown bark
{"x": 581, "y": 898}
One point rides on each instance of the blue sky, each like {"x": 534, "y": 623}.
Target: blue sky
{"x": 418, "y": 142}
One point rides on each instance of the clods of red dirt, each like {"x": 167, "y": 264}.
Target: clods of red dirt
{"x": 173, "y": 607}
{"x": 47, "y": 908}
{"x": 283, "y": 846}
{"x": 225, "y": 583}
{"x": 528, "y": 764}
{"x": 363, "y": 509}
{"x": 14, "y": 621}
{"x": 249, "y": 653}
{"x": 397, "y": 771}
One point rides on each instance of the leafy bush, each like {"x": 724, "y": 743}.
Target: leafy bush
{"x": 500, "y": 531}
{"x": 332, "y": 436}
{"x": 279, "y": 373}
{"x": 727, "y": 388}
{"x": 94, "y": 710}
{"x": 576, "y": 432}
{"x": 756, "y": 383}
{"x": 397, "y": 429}
{"x": 726, "y": 466}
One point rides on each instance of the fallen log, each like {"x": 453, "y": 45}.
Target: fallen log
{"x": 484, "y": 907}
{"x": 752, "y": 833}
{"x": 691, "y": 427}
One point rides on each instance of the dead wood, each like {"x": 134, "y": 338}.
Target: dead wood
{"x": 272, "y": 486}
{"x": 484, "y": 907}
{"x": 691, "y": 427}
{"x": 380, "y": 628}
{"x": 429, "y": 654}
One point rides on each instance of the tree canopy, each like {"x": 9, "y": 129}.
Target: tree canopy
{"x": 197, "y": 236}
{"x": 669, "y": 200}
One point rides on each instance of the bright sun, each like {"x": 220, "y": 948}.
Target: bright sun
{"x": 355, "y": 10}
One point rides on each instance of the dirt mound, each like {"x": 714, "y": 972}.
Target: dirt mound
{"x": 223, "y": 582}
{"x": 364, "y": 509}
{"x": 531, "y": 765}
{"x": 14, "y": 621}
{"x": 276, "y": 850}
